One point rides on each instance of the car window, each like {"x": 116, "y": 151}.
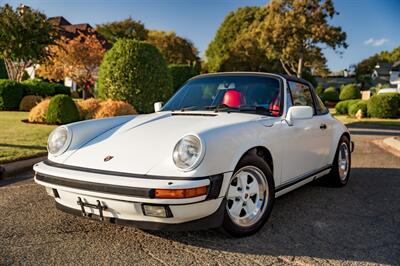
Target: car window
{"x": 230, "y": 93}
{"x": 319, "y": 106}
{"x": 301, "y": 94}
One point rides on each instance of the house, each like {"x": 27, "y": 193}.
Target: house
{"x": 70, "y": 31}
{"x": 395, "y": 75}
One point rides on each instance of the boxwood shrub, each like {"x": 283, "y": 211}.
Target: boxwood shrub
{"x": 349, "y": 91}
{"x": 180, "y": 74}
{"x": 62, "y": 110}
{"x": 135, "y": 72}
{"x": 342, "y": 107}
{"x": 42, "y": 88}
{"x": 384, "y": 105}
{"x": 11, "y": 93}
{"x": 359, "y": 105}
{"x": 330, "y": 94}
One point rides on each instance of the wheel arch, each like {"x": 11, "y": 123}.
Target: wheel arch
{"x": 262, "y": 152}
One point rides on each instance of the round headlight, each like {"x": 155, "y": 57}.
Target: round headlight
{"x": 187, "y": 153}
{"x": 58, "y": 141}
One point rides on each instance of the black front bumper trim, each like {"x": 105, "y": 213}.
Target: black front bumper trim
{"x": 212, "y": 221}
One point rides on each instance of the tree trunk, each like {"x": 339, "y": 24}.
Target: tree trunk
{"x": 15, "y": 70}
{"x": 285, "y": 68}
{"x": 300, "y": 67}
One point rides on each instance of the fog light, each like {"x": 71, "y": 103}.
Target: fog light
{"x": 156, "y": 211}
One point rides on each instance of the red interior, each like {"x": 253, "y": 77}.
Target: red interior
{"x": 232, "y": 98}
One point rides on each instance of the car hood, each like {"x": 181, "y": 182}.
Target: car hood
{"x": 143, "y": 142}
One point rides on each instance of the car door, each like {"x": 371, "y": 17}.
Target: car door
{"x": 303, "y": 142}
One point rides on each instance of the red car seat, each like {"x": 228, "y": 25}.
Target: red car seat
{"x": 232, "y": 98}
{"x": 274, "y": 107}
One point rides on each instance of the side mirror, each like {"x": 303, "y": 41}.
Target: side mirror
{"x": 299, "y": 112}
{"x": 158, "y": 106}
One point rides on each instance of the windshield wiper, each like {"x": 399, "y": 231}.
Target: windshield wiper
{"x": 255, "y": 108}
{"x": 220, "y": 107}
{"x": 188, "y": 108}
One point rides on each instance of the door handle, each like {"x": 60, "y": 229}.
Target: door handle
{"x": 323, "y": 126}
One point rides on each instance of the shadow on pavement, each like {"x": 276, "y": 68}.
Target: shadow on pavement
{"x": 360, "y": 222}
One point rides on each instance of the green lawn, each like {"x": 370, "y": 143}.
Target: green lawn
{"x": 367, "y": 121}
{"x": 20, "y": 140}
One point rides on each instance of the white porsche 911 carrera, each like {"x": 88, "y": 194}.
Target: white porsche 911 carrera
{"x": 216, "y": 154}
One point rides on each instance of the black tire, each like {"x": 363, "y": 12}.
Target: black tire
{"x": 230, "y": 227}
{"x": 334, "y": 176}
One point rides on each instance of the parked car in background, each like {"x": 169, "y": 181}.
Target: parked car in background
{"x": 217, "y": 153}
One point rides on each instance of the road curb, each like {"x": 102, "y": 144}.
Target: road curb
{"x": 390, "y": 144}
{"x": 9, "y": 169}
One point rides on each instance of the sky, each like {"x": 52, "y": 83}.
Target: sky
{"x": 371, "y": 25}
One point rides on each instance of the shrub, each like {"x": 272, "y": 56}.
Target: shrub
{"x": 319, "y": 89}
{"x": 330, "y": 94}
{"x": 180, "y": 74}
{"x": 383, "y": 105}
{"x": 87, "y": 108}
{"x": 111, "y": 108}
{"x": 342, "y": 107}
{"x": 359, "y": 105}
{"x": 62, "y": 110}
{"x": 38, "y": 113}
{"x": 11, "y": 93}
{"x": 38, "y": 87}
{"x": 43, "y": 88}
{"x": 349, "y": 91}
{"x": 28, "y": 102}
{"x": 61, "y": 89}
{"x": 135, "y": 72}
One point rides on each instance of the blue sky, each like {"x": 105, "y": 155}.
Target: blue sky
{"x": 371, "y": 25}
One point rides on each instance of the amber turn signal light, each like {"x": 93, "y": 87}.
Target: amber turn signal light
{"x": 180, "y": 193}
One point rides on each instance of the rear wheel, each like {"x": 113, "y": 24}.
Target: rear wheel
{"x": 341, "y": 166}
{"x": 250, "y": 197}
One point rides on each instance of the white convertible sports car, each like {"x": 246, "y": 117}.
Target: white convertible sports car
{"x": 216, "y": 154}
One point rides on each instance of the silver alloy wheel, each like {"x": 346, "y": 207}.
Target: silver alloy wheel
{"x": 343, "y": 161}
{"x": 247, "y": 196}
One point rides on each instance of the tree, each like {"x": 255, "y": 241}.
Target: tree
{"x": 232, "y": 49}
{"x": 24, "y": 35}
{"x": 367, "y": 66}
{"x": 77, "y": 58}
{"x": 127, "y": 28}
{"x": 293, "y": 32}
{"x": 175, "y": 49}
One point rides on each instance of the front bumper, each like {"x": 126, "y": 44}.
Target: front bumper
{"x": 125, "y": 196}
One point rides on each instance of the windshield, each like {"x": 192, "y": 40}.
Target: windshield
{"x": 255, "y": 94}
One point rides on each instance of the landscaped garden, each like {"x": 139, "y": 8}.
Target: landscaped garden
{"x": 19, "y": 140}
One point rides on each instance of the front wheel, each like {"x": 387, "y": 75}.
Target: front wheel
{"x": 250, "y": 197}
{"x": 341, "y": 166}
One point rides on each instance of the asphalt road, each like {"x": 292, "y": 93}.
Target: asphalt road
{"x": 358, "y": 224}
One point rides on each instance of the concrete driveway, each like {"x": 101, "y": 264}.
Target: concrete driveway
{"x": 358, "y": 224}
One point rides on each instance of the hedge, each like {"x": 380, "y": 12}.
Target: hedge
{"x": 384, "y": 105}
{"x": 62, "y": 110}
{"x": 135, "y": 72}
{"x": 11, "y": 93}
{"x": 42, "y": 88}
{"x": 180, "y": 74}
{"x": 349, "y": 91}
{"x": 359, "y": 105}
{"x": 342, "y": 107}
{"x": 330, "y": 94}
